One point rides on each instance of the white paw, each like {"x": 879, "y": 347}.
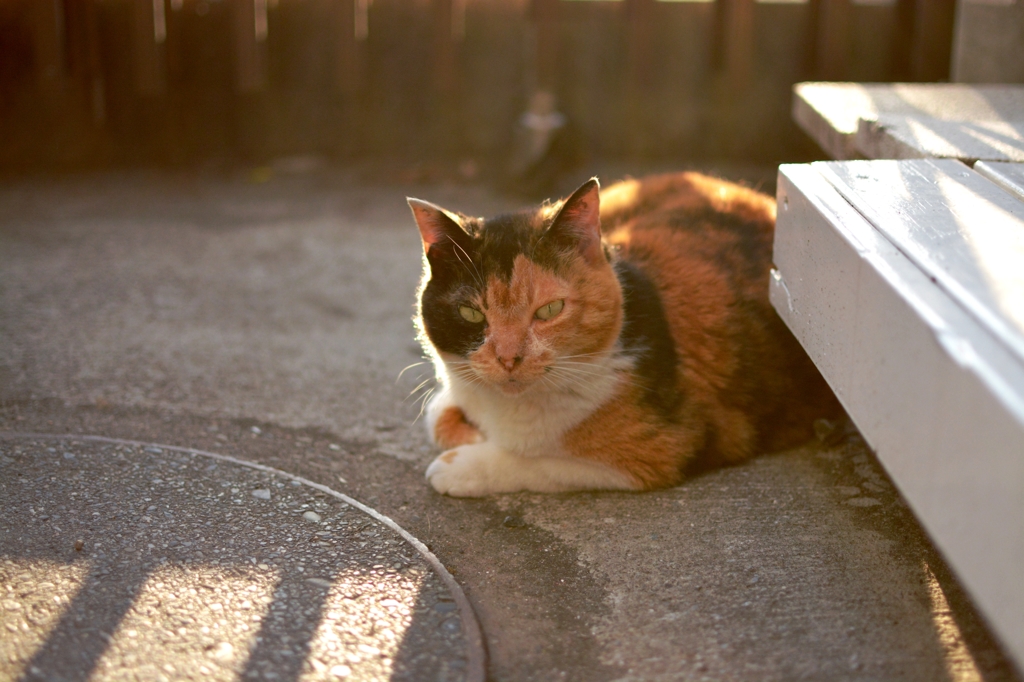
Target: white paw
{"x": 463, "y": 472}
{"x": 484, "y": 468}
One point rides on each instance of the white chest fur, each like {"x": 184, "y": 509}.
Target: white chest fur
{"x": 530, "y": 424}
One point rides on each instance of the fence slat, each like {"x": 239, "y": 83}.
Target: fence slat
{"x": 249, "y": 26}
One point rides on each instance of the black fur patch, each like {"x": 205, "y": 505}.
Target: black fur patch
{"x": 446, "y": 328}
{"x": 502, "y": 239}
{"x": 475, "y": 253}
{"x": 646, "y": 336}
{"x": 455, "y": 276}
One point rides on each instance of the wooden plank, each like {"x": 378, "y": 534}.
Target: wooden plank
{"x": 932, "y": 43}
{"x": 925, "y": 30}
{"x": 350, "y": 28}
{"x": 149, "y": 32}
{"x": 47, "y": 26}
{"x": 832, "y": 45}
{"x": 640, "y": 76}
{"x": 987, "y": 42}
{"x": 83, "y": 48}
{"x": 738, "y": 34}
{"x": 97, "y": 81}
{"x": 445, "y": 74}
{"x": 545, "y": 39}
{"x": 935, "y": 394}
{"x": 954, "y": 225}
{"x": 830, "y": 112}
{"x": 249, "y": 26}
{"x": 640, "y": 53}
{"x": 1009, "y": 176}
{"x": 915, "y": 137}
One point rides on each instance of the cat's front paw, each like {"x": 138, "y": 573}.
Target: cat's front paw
{"x": 462, "y": 472}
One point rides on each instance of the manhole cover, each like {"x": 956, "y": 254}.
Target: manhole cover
{"x": 121, "y": 559}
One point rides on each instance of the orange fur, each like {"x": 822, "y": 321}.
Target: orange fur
{"x": 623, "y": 435}
{"x": 452, "y": 429}
{"x": 590, "y": 321}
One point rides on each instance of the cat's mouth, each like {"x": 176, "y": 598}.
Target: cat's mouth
{"x": 512, "y": 386}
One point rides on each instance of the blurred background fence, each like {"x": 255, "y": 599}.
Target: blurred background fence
{"x": 86, "y": 83}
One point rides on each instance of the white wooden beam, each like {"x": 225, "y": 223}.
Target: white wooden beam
{"x": 935, "y": 390}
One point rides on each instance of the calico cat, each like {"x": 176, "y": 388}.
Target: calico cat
{"x": 616, "y": 339}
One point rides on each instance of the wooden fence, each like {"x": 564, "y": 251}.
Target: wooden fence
{"x": 98, "y": 81}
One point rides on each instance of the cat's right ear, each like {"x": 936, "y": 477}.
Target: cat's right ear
{"x": 437, "y": 226}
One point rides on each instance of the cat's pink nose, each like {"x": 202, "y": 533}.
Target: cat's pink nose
{"x": 510, "y": 363}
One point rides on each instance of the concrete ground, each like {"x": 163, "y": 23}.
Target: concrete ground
{"x": 131, "y": 561}
{"x": 186, "y": 310}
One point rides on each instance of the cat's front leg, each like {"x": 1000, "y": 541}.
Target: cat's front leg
{"x": 447, "y": 423}
{"x": 484, "y": 468}
{"x": 452, "y": 429}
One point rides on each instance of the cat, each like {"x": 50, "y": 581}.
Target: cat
{"x": 617, "y": 339}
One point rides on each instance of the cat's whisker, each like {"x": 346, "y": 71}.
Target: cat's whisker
{"x": 582, "y": 368}
{"x": 421, "y": 385}
{"x": 468, "y": 374}
{"x": 583, "y": 358}
{"x": 570, "y": 387}
{"x": 591, "y": 377}
{"x": 476, "y": 380}
{"x": 582, "y": 382}
{"x": 423, "y": 404}
{"x": 475, "y": 272}
{"x": 422, "y": 398}
{"x": 408, "y": 367}
{"x": 555, "y": 386}
{"x": 584, "y": 355}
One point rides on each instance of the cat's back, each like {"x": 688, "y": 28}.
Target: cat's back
{"x": 641, "y": 201}
{"x": 695, "y": 233}
{"x": 706, "y": 246}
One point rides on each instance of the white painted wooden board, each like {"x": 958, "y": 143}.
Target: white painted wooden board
{"x": 1009, "y": 176}
{"x": 897, "y": 136}
{"x": 831, "y": 112}
{"x": 959, "y": 228}
{"x": 937, "y": 395}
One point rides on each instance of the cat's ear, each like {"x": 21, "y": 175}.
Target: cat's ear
{"x": 578, "y": 222}
{"x": 437, "y": 226}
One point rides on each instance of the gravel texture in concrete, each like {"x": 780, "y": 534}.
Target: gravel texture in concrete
{"x": 139, "y": 562}
{"x": 187, "y": 310}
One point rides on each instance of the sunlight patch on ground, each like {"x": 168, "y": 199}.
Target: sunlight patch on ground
{"x": 361, "y": 628}
{"x": 33, "y": 596}
{"x": 959, "y": 663}
{"x": 196, "y": 622}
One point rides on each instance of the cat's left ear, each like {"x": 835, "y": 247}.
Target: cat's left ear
{"x": 579, "y": 222}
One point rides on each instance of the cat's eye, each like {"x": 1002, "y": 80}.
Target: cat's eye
{"x": 546, "y": 312}
{"x": 471, "y": 314}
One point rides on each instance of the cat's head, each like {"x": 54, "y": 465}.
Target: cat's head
{"x": 512, "y": 301}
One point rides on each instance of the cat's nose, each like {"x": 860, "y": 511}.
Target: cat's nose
{"x": 510, "y": 363}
